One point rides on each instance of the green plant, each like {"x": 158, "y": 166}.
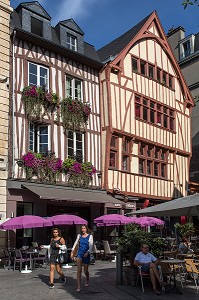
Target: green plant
{"x": 37, "y": 100}
{"x": 133, "y": 237}
{"x": 74, "y": 113}
{"x": 185, "y": 230}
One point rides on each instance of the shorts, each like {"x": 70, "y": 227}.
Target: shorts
{"x": 145, "y": 268}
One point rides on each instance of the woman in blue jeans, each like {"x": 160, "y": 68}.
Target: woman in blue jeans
{"x": 85, "y": 242}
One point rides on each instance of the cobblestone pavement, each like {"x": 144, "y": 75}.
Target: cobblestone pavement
{"x": 34, "y": 286}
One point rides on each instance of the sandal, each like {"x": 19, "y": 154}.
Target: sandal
{"x": 156, "y": 292}
{"x": 86, "y": 284}
{"x": 78, "y": 290}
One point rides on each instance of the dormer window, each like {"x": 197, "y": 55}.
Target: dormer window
{"x": 36, "y": 26}
{"x": 71, "y": 42}
{"x": 187, "y": 46}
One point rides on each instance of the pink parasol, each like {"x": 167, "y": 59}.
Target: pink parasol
{"x": 148, "y": 221}
{"x": 67, "y": 220}
{"x": 112, "y": 220}
{"x": 27, "y": 221}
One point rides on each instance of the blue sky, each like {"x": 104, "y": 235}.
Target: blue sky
{"x": 104, "y": 20}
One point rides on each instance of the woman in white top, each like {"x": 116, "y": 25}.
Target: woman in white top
{"x": 85, "y": 242}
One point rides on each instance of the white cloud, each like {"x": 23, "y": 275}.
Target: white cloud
{"x": 73, "y": 9}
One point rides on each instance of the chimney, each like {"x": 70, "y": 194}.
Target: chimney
{"x": 175, "y": 35}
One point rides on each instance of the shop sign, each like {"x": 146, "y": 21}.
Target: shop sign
{"x": 130, "y": 205}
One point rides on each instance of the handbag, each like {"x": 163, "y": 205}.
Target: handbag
{"x": 75, "y": 251}
{"x": 62, "y": 258}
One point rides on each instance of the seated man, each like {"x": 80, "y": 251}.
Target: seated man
{"x": 148, "y": 263}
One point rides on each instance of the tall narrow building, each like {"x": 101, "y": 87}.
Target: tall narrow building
{"x": 145, "y": 112}
{"x": 5, "y": 11}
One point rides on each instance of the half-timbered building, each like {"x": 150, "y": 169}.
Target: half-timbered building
{"x": 145, "y": 113}
{"x": 54, "y": 70}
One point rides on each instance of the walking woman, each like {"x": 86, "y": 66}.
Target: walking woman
{"x": 85, "y": 243}
{"x": 57, "y": 244}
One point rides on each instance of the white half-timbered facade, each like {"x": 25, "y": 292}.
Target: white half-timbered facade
{"x": 57, "y": 59}
{"x": 145, "y": 113}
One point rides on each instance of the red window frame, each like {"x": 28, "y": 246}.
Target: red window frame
{"x": 153, "y": 160}
{"x": 113, "y": 156}
{"x": 154, "y": 112}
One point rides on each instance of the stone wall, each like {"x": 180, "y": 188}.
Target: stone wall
{"x": 5, "y": 11}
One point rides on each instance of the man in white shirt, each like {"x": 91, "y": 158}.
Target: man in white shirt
{"x": 148, "y": 263}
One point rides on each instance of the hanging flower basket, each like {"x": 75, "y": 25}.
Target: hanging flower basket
{"x": 37, "y": 100}
{"x": 79, "y": 174}
{"x": 74, "y": 113}
{"x": 47, "y": 167}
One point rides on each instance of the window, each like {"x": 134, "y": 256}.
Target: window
{"x": 153, "y": 112}
{"x": 71, "y": 42}
{"x": 142, "y": 67}
{"x": 76, "y": 145}
{"x": 170, "y": 82}
{"x": 36, "y": 26}
{"x": 39, "y": 138}
{"x": 186, "y": 48}
{"x": 164, "y": 78}
{"x": 151, "y": 71}
{"x": 113, "y": 152}
{"x": 38, "y": 75}
{"x": 126, "y": 154}
{"x": 159, "y": 79}
{"x": 152, "y": 160}
{"x": 73, "y": 88}
{"x": 135, "y": 64}
{"x": 148, "y": 69}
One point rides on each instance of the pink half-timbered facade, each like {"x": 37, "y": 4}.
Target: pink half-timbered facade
{"x": 145, "y": 113}
{"x": 58, "y": 62}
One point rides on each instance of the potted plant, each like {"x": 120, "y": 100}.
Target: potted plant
{"x": 74, "y": 113}
{"x": 37, "y": 100}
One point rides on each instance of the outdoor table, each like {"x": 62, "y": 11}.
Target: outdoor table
{"x": 174, "y": 262}
{"x": 26, "y": 271}
{"x": 184, "y": 255}
{"x": 166, "y": 253}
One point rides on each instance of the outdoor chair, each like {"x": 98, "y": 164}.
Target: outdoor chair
{"x": 107, "y": 251}
{"x": 145, "y": 275}
{"x": 40, "y": 258}
{"x": 97, "y": 253}
{"x": 192, "y": 270}
{"x": 167, "y": 270}
{"x": 7, "y": 259}
{"x": 19, "y": 259}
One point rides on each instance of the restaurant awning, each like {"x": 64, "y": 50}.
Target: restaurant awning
{"x": 185, "y": 206}
{"x": 53, "y": 192}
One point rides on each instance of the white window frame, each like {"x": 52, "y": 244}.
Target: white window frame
{"x": 74, "y": 143}
{"x": 36, "y": 131}
{"x": 70, "y": 44}
{"x": 38, "y": 74}
{"x": 191, "y": 39}
{"x": 73, "y": 80}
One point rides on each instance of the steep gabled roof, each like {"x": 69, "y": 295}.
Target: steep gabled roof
{"x": 35, "y": 7}
{"x": 70, "y": 23}
{"x": 117, "y": 45}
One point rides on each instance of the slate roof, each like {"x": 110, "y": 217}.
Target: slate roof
{"x": 35, "y": 7}
{"x": 89, "y": 50}
{"x": 117, "y": 45}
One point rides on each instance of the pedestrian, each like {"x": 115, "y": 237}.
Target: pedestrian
{"x": 57, "y": 244}
{"x": 84, "y": 242}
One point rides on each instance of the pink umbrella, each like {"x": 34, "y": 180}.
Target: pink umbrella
{"x": 28, "y": 221}
{"x": 67, "y": 220}
{"x": 111, "y": 220}
{"x": 148, "y": 221}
